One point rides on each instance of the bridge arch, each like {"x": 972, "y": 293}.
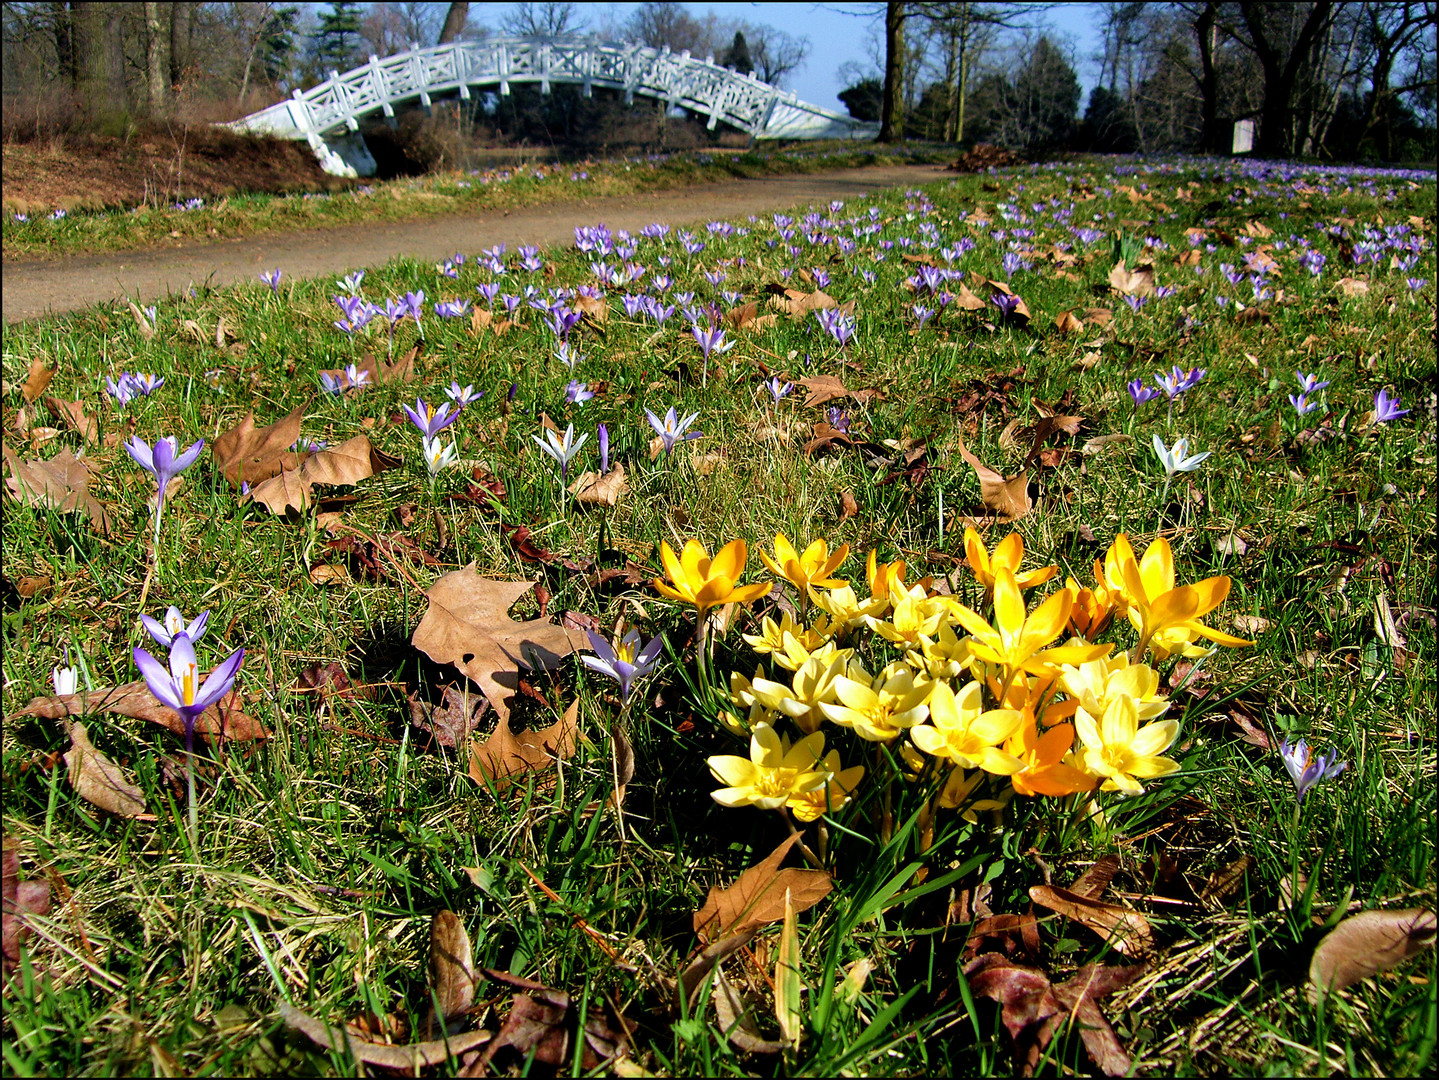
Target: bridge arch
{"x": 328, "y": 115}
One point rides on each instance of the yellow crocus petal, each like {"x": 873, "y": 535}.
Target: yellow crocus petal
{"x": 1219, "y": 637}
{"x": 976, "y": 555}
{"x": 1045, "y": 624}
{"x": 747, "y": 593}
{"x": 729, "y": 560}
{"x": 714, "y": 591}
{"x": 1147, "y": 768}
{"x": 731, "y": 769}
{"x": 1154, "y": 738}
{"x": 1008, "y": 553}
{"x": 1156, "y": 568}
{"x": 1120, "y": 722}
{"x": 1008, "y": 605}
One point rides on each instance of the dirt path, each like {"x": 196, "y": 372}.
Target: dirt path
{"x": 32, "y": 288}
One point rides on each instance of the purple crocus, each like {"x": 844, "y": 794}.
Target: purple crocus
{"x": 1309, "y": 384}
{"x": 415, "y": 307}
{"x": 1305, "y": 769}
{"x": 625, "y": 661}
{"x": 452, "y": 309}
{"x": 331, "y": 385}
{"x": 1007, "y": 303}
{"x": 1387, "y": 408}
{"x": 355, "y": 377}
{"x": 146, "y": 383}
{"x": 922, "y": 314}
{"x": 272, "y": 278}
{"x": 837, "y": 324}
{"x": 428, "y": 420}
{"x": 776, "y": 390}
{"x": 1141, "y": 393}
{"x": 576, "y": 393}
{"x": 164, "y": 462}
{"x": 463, "y": 395}
{"x": 1302, "y": 405}
{"x": 174, "y": 625}
{"x": 604, "y": 433}
{"x": 122, "y": 389}
{"x": 673, "y": 430}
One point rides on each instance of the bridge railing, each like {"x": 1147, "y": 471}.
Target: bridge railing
{"x": 678, "y": 79}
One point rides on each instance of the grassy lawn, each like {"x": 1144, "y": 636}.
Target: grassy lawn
{"x": 941, "y": 919}
{"x": 49, "y": 236}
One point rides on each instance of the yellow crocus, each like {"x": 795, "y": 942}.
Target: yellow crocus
{"x": 773, "y": 635}
{"x": 1043, "y": 755}
{"x": 836, "y": 792}
{"x": 962, "y": 731}
{"x": 814, "y": 567}
{"x": 1007, "y": 554}
{"x": 794, "y": 655}
{"x": 695, "y": 578}
{"x": 882, "y": 707}
{"x": 1015, "y": 640}
{"x": 944, "y": 656}
{"x": 1166, "y": 616}
{"x": 1121, "y": 752}
{"x": 1094, "y": 684}
{"x": 914, "y": 615}
{"x": 773, "y": 773}
{"x": 846, "y": 610}
{"x": 1094, "y": 609}
{"x": 958, "y": 794}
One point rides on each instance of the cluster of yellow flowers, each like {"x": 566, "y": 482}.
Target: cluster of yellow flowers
{"x": 972, "y": 695}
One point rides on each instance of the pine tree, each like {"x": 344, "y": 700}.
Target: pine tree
{"x": 337, "y": 41}
{"x": 737, "y": 55}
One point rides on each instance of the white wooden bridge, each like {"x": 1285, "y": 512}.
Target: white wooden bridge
{"x": 328, "y": 115}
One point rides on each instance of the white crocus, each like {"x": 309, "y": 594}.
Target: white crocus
{"x": 1175, "y": 460}
{"x": 562, "y": 450}
{"x": 438, "y": 455}
{"x": 64, "y": 679}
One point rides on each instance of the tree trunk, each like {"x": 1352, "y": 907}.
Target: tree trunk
{"x": 94, "y": 25}
{"x": 454, "y": 23}
{"x": 180, "y": 29}
{"x": 891, "y": 120}
{"x": 1211, "y": 139}
{"x": 1281, "y": 75}
{"x": 64, "y": 41}
{"x": 156, "y": 71}
{"x": 118, "y": 88}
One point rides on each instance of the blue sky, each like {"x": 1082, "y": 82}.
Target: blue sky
{"x": 836, "y": 37}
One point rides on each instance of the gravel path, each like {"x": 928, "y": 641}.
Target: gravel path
{"x": 36, "y": 287}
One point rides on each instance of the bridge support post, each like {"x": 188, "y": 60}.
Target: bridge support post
{"x": 344, "y": 155}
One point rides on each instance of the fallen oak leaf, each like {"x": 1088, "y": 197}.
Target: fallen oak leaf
{"x": 249, "y": 454}
{"x": 1125, "y": 929}
{"x": 62, "y": 483}
{"x": 21, "y": 897}
{"x": 410, "y": 1058}
{"x": 592, "y": 489}
{"x": 1136, "y": 282}
{"x": 451, "y": 721}
{"x": 452, "y": 973}
{"x": 36, "y": 380}
{"x": 505, "y": 755}
{"x": 1366, "y": 944}
{"x": 225, "y": 718}
{"x": 98, "y": 780}
{"x": 73, "y": 415}
{"x": 826, "y": 388}
{"x": 757, "y": 896}
{"x": 1008, "y": 497}
{"x": 467, "y": 625}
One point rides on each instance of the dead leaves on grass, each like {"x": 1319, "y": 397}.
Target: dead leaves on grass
{"x": 1366, "y": 944}
{"x": 21, "y": 897}
{"x": 468, "y": 625}
{"x": 98, "y": 780}
{"x": 247, "y": 454}
{"x": 225, "y": 719}
{"x": 758, "y": 896}
{"x": 62, "y": 483}
{"x": 353, "y": 460}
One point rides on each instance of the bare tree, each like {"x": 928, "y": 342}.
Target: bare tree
{"x": 774, "y": 53}
{"x": 156, "y": 83}
{"x": 670, "y": 25}
{"x": 544, "y": 20}
{"x": 1390, "y": 30}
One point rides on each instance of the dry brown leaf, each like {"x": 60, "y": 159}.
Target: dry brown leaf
{"x": 73, "y": 415}
{"x": 329, "y": 574}
{"x": 37, "y": 380}
{"x": 1226, "y": 881}
{"x": 21, "y": 897}
{"x": 146, "y": 330}
{"x": 226, "y": 718}
{"x": 705, "y": 961}
{"x": 62, "y": 483}
{"x": 825, "y": 388}
{"x": 742, "y": 316}
{"x": 797, "y": 304}
{"x": 1100, "y": 442}
{"x": 289, "y": 490}
{"x": 1098, "y": 316}
{"x": 505, "y": 755}
{"x": 32, "y": 585}
{"x": 452, "y": 972}
{"x": 1066, "y": 323}
{"x": 1127, "y": 930}
{"x": 848, "y": 507}
{"x": 410, "y": 1058}
{"x": 1353, "y": 287}
{"x": 451, "y": 721}
{"x": 736, "y": 1019}
{"x": 967, "y": 301}
{"x": 758, "y": 896}
{"x": 467, "y": 625}
{"x": 1366, "y": 944}
{"x": 624, "y": 763}
{"x": 1136, "y": 282}
{"x": 1096, "y": 879}
{"x": 98, "y": 780}
{"x": 593, "y": 308}
{"x": 592, "y": 489}
{"x": 1008, "y": 498}
{"x": 249, "y": 454}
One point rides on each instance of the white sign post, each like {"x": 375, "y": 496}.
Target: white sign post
{"x": 1243, "y": 137}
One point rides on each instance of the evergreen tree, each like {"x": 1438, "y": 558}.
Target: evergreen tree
{"x": 737, "y": 55}
{"x": 337, "y": 40}
{"x": 863, "y": 99}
